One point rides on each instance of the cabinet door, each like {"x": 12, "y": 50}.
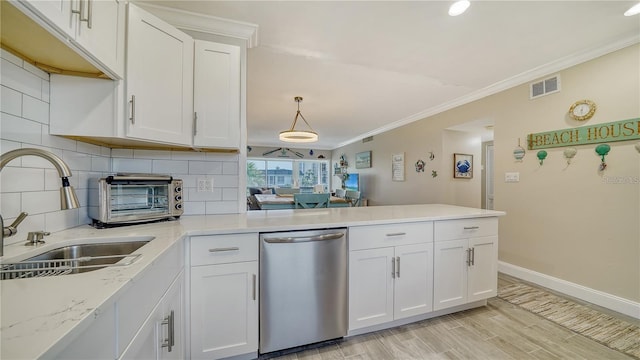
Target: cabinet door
{"x": 216, "y": 98}
{"x": 414, "y": 280}
{"x": 224, "y": 310}
{"x": 104, "y": 40}
{"x": 483, "y": 272}
{"x": 450, "y": 274}
{"x": 58, "y": 13}
{"x": 159, "y": 80}
{"x": 370, "y": 287}
{"x": 152, "y": 339}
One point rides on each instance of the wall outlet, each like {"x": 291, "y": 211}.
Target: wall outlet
{"x": 204, "y": 185}
{"x": 512, "y": 177}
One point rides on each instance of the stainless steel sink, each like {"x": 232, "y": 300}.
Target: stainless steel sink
{"x": 74, "y": 259}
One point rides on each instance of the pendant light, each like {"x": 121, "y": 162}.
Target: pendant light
{"x": 299, "y": 136}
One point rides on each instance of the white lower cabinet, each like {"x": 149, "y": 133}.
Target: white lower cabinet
{"x": 224, "y": 295}
{"x": 465, "y": 261}
{"x": 161, "y": 336}
{"x": 386, "y": 282}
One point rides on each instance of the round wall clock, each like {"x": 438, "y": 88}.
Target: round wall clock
{"x": 582, "y": 110}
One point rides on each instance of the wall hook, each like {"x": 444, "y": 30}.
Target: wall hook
{"x": 603, "y": 150}
{"x": 541, "y": 156}
{"x": 570, "y": 153}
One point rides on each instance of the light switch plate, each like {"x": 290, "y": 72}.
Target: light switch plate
{"x": 512, "y": 177}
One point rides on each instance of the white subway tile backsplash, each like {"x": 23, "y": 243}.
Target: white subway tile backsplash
{"x": 76, "y": 160}
{"x": 46, "y": 91}
{"x": 35, "y": 71}
{"x": 151, "y": 154}
{"x": 38, "y": 162}
{"x": 212, "y": 156}
{"x": 170, "y": 167}
{"x": 61, "y": 220}
{"x": 88, "y": 148}
{"x": 57, "y": 142}
{"x": 10, "y": 203}
{"x": 131, "y": 165}
{"x": 226, "y": 181}
{"x": 215, "y": 195}
{"x": 230, "y": 168}
{"x": 187, "y": 155}
{"x": 221, "y": 207}
{"x": 18, "y": 129}
{"x": 205, "y": 167}
{"x": 6, "y": 145}
{"x": 15, "y": 77}
{"x": 230, "y": 194}
{"x": 35, "y": 109}
{"x": 17, "y": 179}
{"x": 40, "y": 202}
{"x": 11, "y": 101}
{"x": 4, "y": 54}
{"x": 122, "y": 153}
{"x": 101, "y": 164}
{"x": 194, "y": 208}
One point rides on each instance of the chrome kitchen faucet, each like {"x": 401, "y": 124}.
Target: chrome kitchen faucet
{"x": 68, "y": 199}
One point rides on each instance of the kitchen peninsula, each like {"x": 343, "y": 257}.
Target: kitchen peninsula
{"x": 58, "y": 316}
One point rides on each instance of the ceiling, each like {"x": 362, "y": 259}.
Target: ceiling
{"x": 363, "y": 67}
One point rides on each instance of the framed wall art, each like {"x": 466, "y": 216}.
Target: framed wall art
{"x": 397, "y": 167}
{"x": 363, "y": 160}
{"x": 462, "y": 166}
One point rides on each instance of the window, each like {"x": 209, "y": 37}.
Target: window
{"x": 287, "y": 173}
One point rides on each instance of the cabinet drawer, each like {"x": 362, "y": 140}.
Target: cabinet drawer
{"x": 224, "y": 249}
{"x": 377, "y": 236}
{"x": 465, "y": 228}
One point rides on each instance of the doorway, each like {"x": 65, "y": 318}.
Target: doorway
{"x": 488, "y": 178}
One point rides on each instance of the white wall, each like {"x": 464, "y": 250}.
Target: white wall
{"x": 31, "y": 184}
{"x": 571, "y": 223}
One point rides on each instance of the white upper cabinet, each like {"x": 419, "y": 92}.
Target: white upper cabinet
{"x": 94, "y": 28}
{"x": 216, "y": 98}
{"x": 159, "y": 80}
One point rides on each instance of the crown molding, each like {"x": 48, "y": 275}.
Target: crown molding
{"x": 523, "y": 78}
{"x": 188, "y": 20}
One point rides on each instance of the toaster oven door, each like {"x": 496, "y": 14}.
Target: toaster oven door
{"x": 131, "y": 202}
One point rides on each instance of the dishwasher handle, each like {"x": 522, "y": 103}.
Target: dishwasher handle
{"x": 300, "y": 239}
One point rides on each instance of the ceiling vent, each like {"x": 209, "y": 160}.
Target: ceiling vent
{"x": 544, "y": 87}
{"x": 367, "y": 139}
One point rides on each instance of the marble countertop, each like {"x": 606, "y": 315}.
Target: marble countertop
{"x": 40, "y": 316}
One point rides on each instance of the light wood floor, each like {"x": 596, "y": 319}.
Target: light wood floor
{"x": 498, "y": 331}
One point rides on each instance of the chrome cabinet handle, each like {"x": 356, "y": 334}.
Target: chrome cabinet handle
{"x": 254, "y": 287}
{"x": 393, "y": 268}
{"x": 133, "y": 109}
{"x": 195, "y": 123}
{"x": 397, "y": 234}
{"x": 170, "y": 341}
{"x": 285, "y": 240}
{"x": 472, "y": 227}
{"x": 473, "y": 256}
{"x": 398, "y": 267}
{"x": 235, "y": 248}
{"x": 468, "y": 251}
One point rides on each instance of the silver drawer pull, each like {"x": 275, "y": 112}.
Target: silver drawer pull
{"x": 397, "y": 234}
{"x": 472, "y": 227}
{"x": 224, "y": 249}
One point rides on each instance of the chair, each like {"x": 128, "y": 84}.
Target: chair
{"x": 340, "y": 193}
{"x": 309, "y": 201}
{"x": 286, "y": 191}
{"x": 353, "y": 197}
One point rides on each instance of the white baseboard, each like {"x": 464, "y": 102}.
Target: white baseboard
{"x": 609, "y": 301}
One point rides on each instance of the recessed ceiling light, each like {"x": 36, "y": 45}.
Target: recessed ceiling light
{"x": 634, "y": 10}
{"x": 458, "y": 7}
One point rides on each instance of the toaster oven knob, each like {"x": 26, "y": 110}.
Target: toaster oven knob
{"x": 178, "y": 197}
{"x": 178, "y": 206}
{"x": 178, "y": 189}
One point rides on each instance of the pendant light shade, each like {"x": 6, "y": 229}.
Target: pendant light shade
{"x": 299, "y": 136}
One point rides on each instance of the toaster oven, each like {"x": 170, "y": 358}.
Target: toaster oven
{"x": 133, "y": 198}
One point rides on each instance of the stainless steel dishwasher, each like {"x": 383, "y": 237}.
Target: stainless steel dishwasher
{"x": 303, "y": 288}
